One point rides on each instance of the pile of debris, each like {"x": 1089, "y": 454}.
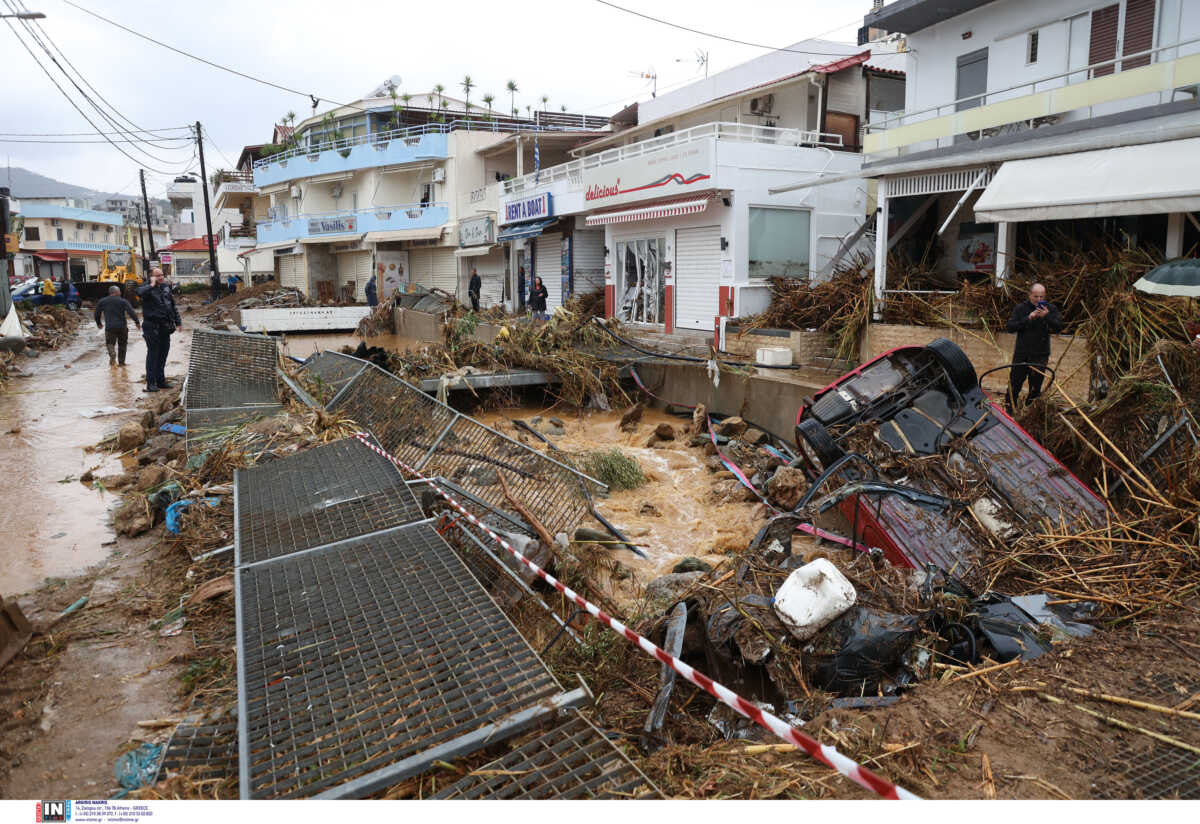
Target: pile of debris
{"x": 270, "y": 295}
{"x": 50, "y": 327}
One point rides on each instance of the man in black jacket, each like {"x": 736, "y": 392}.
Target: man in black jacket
{"x": 110, "y": 316}
{"x": 159, "y": 320}
{"x": 1033, "y": 320}
{"x": 473, "y": 289}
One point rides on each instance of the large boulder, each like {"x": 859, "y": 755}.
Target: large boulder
{"x": 130, "y": 436}
{"x": 732, "y": 427}
{"x": 786, "y": 487}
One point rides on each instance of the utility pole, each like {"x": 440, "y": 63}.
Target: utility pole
{"x": 146, "y": 204}
{"x": 212, "y": 252}
{"x": 4, "y": 241}
{"x": 142, "y": 240}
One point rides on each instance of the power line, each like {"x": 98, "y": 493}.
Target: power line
{"x": 88, "y": 134}
{"x": 4, "y": 139}
{"x": 706, "y": 33}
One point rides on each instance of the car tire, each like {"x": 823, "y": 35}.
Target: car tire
{"x": 819, "y": 442}
{"x": 958, "y": 366}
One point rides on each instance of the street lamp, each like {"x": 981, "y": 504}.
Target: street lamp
{"x": 26, "y": 15}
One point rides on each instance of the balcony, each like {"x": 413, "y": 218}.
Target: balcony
{"x": 180, "y": 193}
{"x": 232, "y": 187}
{"x": 573, "y": 171}
{"x": 356, "y": 222}
{"x": 1071, "y": 95}
{"x": 366, "y": 152}
{"x": 237, "y": 236}
{"x": 82, "y": 246}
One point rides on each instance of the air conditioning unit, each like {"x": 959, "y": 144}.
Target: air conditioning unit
{"x": 296, "y": 192}
{"x": 762, "y": 104}
{"x": 335, "y": 190}
{"x": 439, "y": 175}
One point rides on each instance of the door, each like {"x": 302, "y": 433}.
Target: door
{"x": 971, "y": 80}
{"x": 547, "y": 261}
{"x": 641, "y": 294}
{"x": 697, "y": 277}
{"x": 521, "y": 277}
{"x": 588, "y": 261}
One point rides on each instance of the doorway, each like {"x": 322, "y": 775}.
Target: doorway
{"x": 641, "y": 293}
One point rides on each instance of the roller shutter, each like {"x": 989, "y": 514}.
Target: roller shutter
{"x": 435, "y": 268}
{"x": 354, "y": 267}
{"x": 697, "y": 277}
{"x": 548, "y": 263}
{"x": 292, "y": 271}
{"x": 588, "y": 262}
{"x": 1104, "y": 38}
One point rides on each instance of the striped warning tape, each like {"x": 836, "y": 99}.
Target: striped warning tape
{"x": 825, "y": 754}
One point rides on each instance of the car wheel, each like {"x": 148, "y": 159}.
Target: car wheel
{"x": 958, "y": 366}
{"x": 816, "y": 441}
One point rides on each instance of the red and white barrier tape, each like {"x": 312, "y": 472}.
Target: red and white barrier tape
{"x": 825, "y": 754}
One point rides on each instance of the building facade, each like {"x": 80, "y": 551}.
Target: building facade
{"x": 60, "y": 241}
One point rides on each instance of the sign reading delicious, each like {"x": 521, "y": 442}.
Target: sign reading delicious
{"x": 325, "y": 225}
{"x": 676, "y": 170}
{"x": 522, "y": 209}
{"x": 475, "y": 232}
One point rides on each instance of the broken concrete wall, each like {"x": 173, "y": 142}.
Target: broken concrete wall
{"x": 808, "y": 348}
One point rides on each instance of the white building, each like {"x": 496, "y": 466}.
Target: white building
{"x": 1034, "y": 114}
{"x": 675, "y": 216}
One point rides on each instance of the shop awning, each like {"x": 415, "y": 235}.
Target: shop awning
{"x": 51, "y": 257}
{"x": 345, "y": 237}
{"x": 679, "y": 207}
{"x": 279, "y": 244}
{"x": 472, "y": 251}
{"x": 524, "y": 230}
{"x": 403, "y": 234}
{"x": 1129, "y": 180}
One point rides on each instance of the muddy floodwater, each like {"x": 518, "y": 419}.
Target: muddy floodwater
{"x": 53, "y": 525}
{"x": 671, "y": 517}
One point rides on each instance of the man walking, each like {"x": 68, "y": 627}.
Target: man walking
{"x": 159, "y": 320}
{"x": 1033, "y": 320}
{"x": 474, "y": 288}
{"x": 110, "y": 316}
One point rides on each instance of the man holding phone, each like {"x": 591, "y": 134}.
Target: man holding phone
{"x": 160, "y": 319}
{"x": 1033, "y": 320}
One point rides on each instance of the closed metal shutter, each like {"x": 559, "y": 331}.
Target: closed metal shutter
{"x": 548, "y": 266}
{"x": 1104, "y": 38}
{"x": 697, "y": 277}
{"x": 354, "y": 267}
{"x": 435, "y": 268}
{"x": 292, "y": 272}
{"x": 588, "y": 261}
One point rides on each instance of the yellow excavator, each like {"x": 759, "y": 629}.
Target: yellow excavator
{"x": 119, "y": 266}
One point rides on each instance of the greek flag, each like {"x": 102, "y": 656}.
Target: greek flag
{"x": 537, "y": 160}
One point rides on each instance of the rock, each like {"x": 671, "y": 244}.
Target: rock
{"x": 130, "y": 436}
{"x": 710, "y": 448}
{"x": 692, "y": 564}
{"x": 731, "y": 492}
{"x": 698, "y": 440}
{"x": 753, "y": 436}
{"x": 732, "y": 427}
{"x": 87, "y": 477}
{"x": 550, "y": 430}
{"x": 114, "y": 481}
{"x": 786, "y": 487}
{"x": 665, "y": 592}
{"x": 714, "y": 464}
{"x": 147, "y": 457}
{"x": 169, "y": 416}
{"x": 134, "y": 518}
{"x": 650, "y": 510}
{"x": 657, "y": 444}
{"x": 700, "y": 419}
{"x": 177, "y": 450}
{"x": 557, "y": 422}
{"x": 163, "y": 441}
{"x": 665, "y": 432}
{"x": 151, "y": 477}
{"x": 148, "y": 421}
{"x": 632, "y": 415}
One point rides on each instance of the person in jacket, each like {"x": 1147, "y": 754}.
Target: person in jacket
{"x": 48, "y": 289}
{"x": 537, "y": 298}
{"x": 474, "y": 288}
{"x": 110, "y": 316}
{"x": 372, "y": 290}
{"x": 1033, "y": 320}
{"x": 160, "y": 318}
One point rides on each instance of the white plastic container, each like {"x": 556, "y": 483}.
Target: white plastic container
{"x": 812, "y": 596}
{"x": 774, "y": 356}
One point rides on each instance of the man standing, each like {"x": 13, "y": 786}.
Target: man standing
{"x": 159, "y": 320}
{"x": 1033, "y": 320}
{"x": 110, "y": 316}
{"x": 372, "y": 292}
{"x": 474, "y": 288}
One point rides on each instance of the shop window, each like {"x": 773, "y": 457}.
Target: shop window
{"x": 779, "y": 243}
{"x": 33, "y": 233}
{"x": 641, "y": 286}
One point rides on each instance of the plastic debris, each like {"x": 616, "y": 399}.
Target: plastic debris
{"x": 812, "y": 597}
{"x": 866, "y": 654}
{"x": 137, "y": 768}
{"x": 175, "y": 511}
{"x": 174, "y": 428}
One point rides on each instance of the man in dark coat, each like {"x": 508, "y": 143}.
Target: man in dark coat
{"x": 160, "y": 318}
{"x": 372, "y": 292}
{"x": 110, "y": 316}
{"x": 474, "y": 288}
{"x": 1033, "y": 320}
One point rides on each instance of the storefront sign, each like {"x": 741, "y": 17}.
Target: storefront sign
{"x": 325, "y": 225}
{"x": 165, "y": 257}
{"x": 476, "y": 231}
{"x": 676, "y": 170}
{"x": 522, "y": 209}
{"x": 391, "y": 272}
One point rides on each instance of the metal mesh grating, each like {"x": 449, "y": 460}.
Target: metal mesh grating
{"x": 1161, "y": 772}
{"x": 209, "y": 751}
{"x": 435, "y": 439}
{"x": 573, "y": 760}
{"x": 332, "y": 492}
{"x": 354, "y": 657}
{"x": 209, "y": 428}
{"x": 231, "y": 369}
{"x": 330, "y": 372}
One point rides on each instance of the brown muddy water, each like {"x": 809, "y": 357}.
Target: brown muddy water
{"x": 53, "y": 525}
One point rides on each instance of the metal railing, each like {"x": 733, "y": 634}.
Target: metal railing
{"x": 742, "y": 132}
{"x": 1084, "y": 73}
{"x": 383, "y": 213}
{"x": 496, "y": 125}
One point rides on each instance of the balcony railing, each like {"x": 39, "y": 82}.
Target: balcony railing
{"x": 573, "y": 170}
{"x": 354, "y": 221}
{"x": 82, "y": 245}
{"x": 1080, "y": 88}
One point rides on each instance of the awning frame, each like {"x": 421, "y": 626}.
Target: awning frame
{"x": 675, "y": 209}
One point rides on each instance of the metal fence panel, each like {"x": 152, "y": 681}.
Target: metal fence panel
{"x": 355, "y": 657}
{"x": 208, "y": 429}
{"x": 206, "y": 751}
{"x": 231, "y": 369}
{"x": 330, "y": 372}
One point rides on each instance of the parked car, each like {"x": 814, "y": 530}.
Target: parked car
{"x": 927, "y": 401}
{"x": 30, "y": 293}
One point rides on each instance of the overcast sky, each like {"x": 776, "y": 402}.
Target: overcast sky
{"x": 578, "y": 52}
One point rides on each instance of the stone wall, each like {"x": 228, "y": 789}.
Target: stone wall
{"x": 1068, "y": 355}
{"x": 808, "y": 348}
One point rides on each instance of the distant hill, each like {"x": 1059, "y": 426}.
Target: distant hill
{"x": 25, "y": 183}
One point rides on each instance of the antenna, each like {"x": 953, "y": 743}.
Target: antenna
{"x": 701, "y": 60}
{"x": 650, "y": 75}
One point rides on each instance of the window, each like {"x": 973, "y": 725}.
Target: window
{"x": 33, "y": 233}
{"x": 78, "y": 225}
{"x": 54, "y": 222}
{"x": 95, "y": 227}
{"x": 1138, "y": 32}
{"x": 91, "y": 237}
{"x": 426, "y": 194}
{"x": 1104, "y": 38}
{"x": 1031, "y": 48}
{"x": 59, "y": 233}
{"x": 779, "y": 243}
{"x": 1120, "y": 29}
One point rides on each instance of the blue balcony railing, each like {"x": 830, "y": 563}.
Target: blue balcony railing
{"x": 358, "y": 221}
{"x": 83, "y": 246}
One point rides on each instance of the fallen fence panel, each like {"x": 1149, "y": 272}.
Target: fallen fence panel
{"x": 231, "y": 369}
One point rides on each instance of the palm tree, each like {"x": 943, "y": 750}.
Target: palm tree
{"x": 439, "y": 88}
{"x": 467, "y": 85}
{"x": 487, "y": 101}
{"x": 511, "y": 88}
{"x": 563, "y": 107}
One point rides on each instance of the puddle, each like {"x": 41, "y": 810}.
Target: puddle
{"x": 53, "y": 525}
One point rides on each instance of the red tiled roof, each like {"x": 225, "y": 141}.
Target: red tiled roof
{"x": 195, "y": 244}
